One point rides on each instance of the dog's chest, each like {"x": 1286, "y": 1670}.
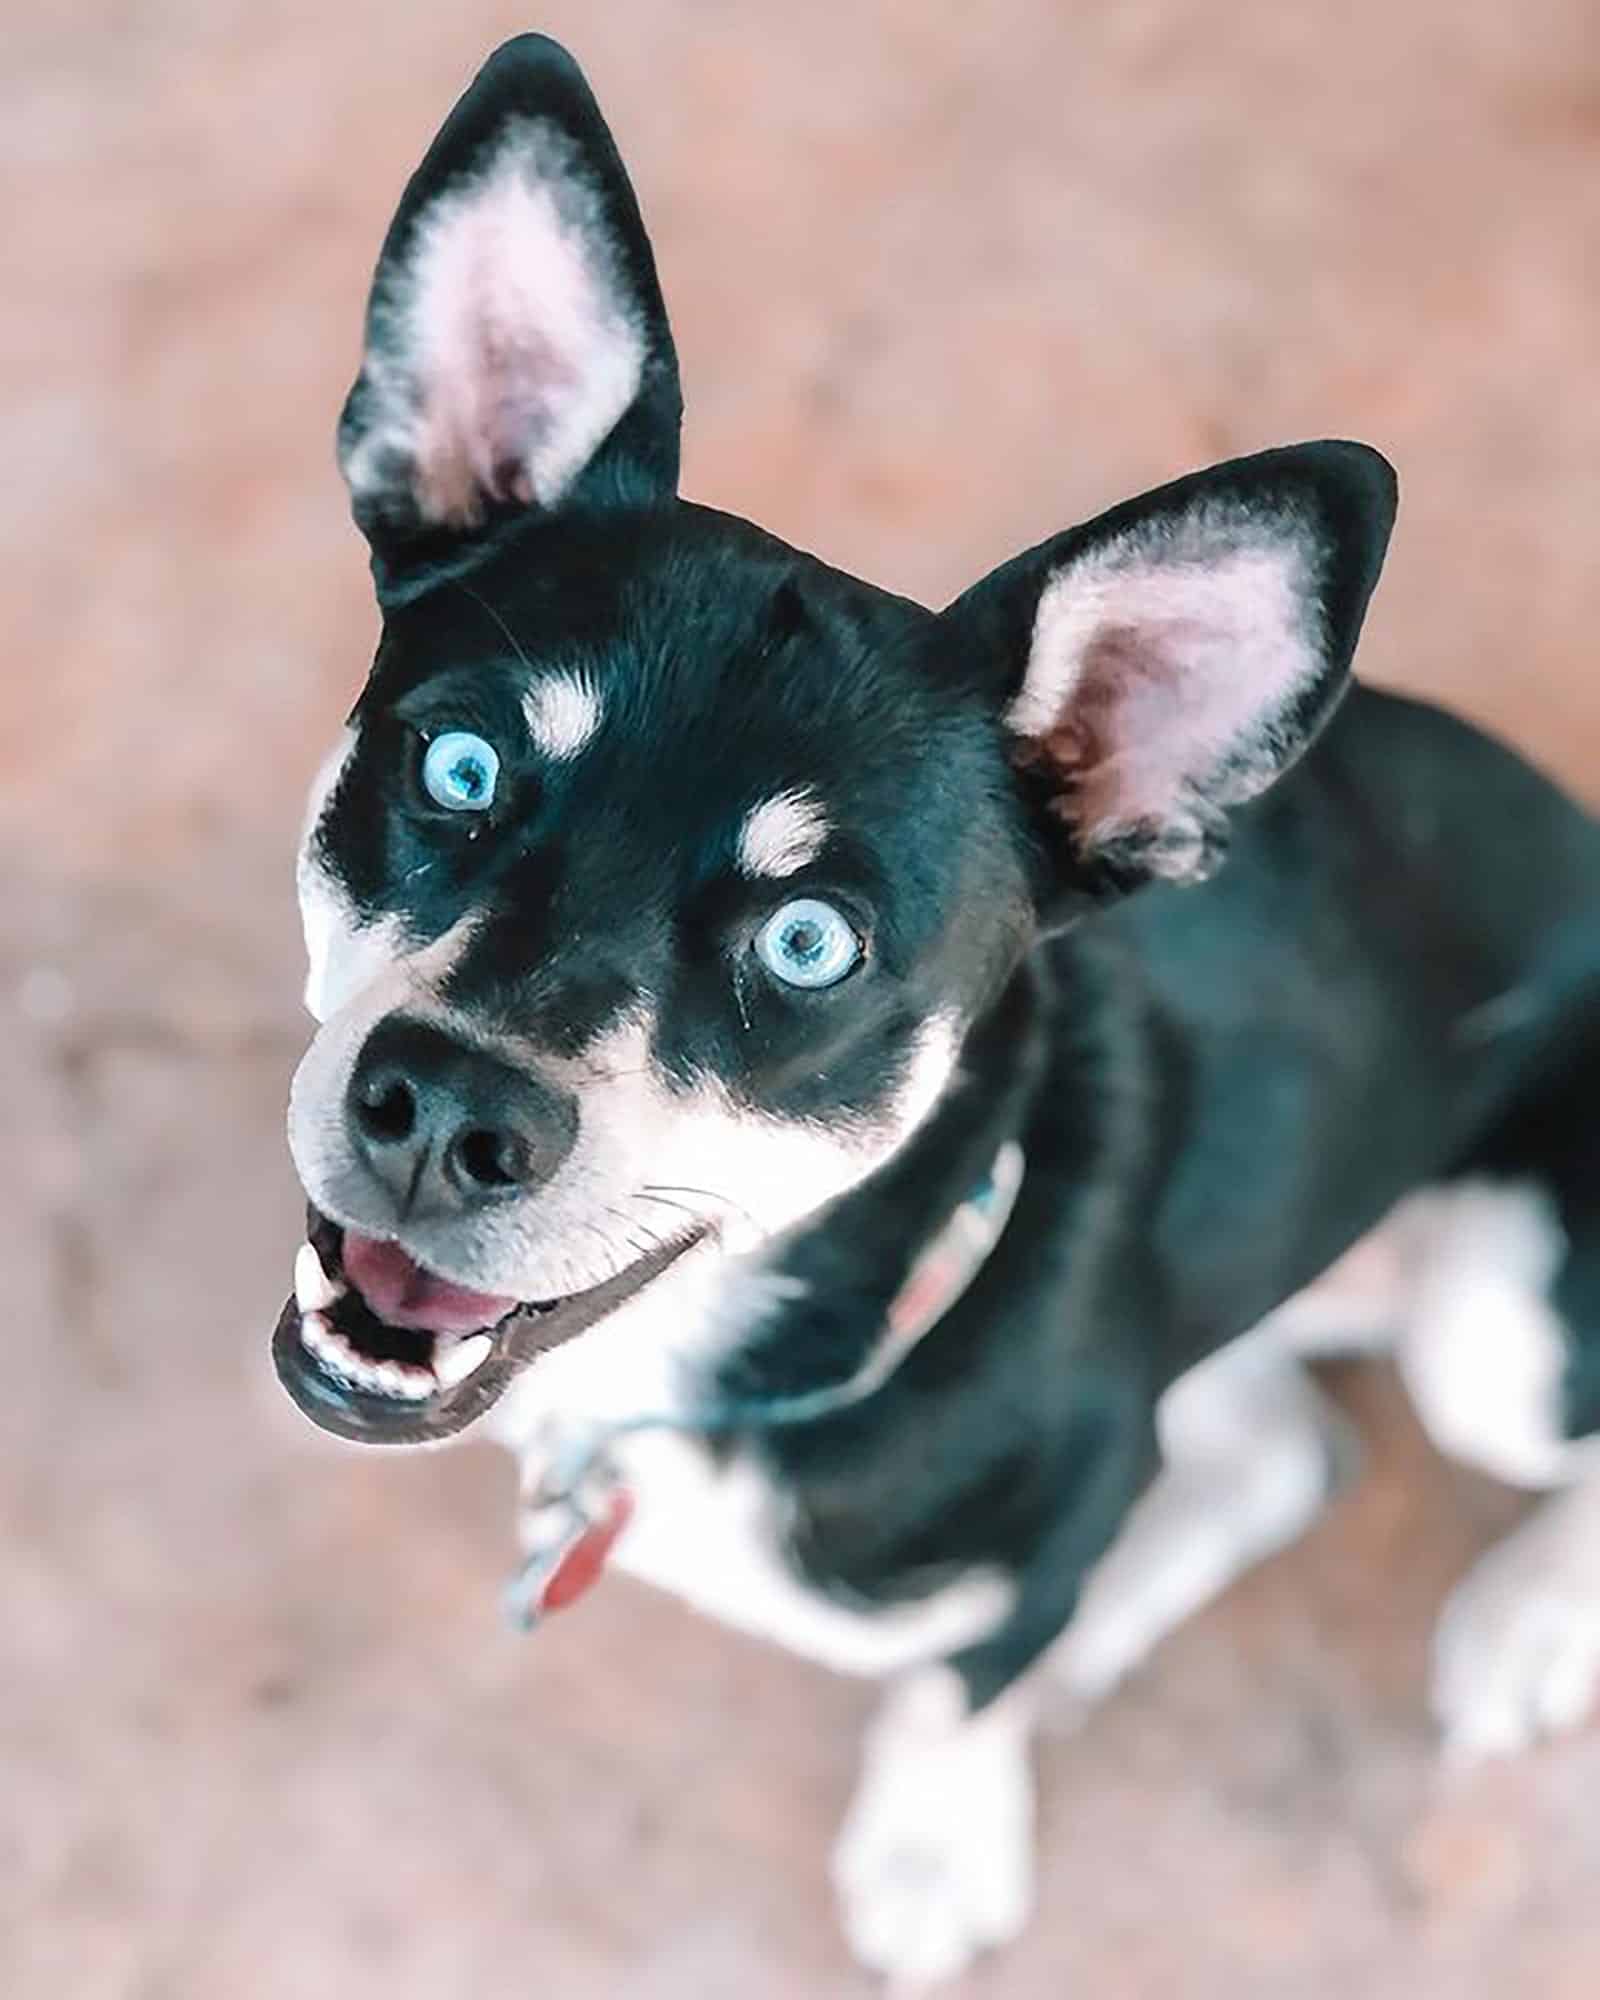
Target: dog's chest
{"x": 711, "y": 1531}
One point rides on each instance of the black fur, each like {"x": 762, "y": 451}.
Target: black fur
{"x": 1249, "y": 1074}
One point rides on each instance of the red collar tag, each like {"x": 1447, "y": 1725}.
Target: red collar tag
{"x": 575, "y": 1543}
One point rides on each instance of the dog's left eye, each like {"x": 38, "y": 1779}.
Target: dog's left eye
{"x": 459, "y": 771}
{"x": 808, "y": 943}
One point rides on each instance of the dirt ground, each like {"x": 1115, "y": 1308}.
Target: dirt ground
{"x": 945, "y": 278}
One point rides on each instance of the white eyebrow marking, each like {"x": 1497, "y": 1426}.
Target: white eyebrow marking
{"x": 563, "y": 713}
{"x": 782, "y": 834}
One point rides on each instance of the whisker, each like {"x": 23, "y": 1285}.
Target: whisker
{"x": 666, "y": 1201}
{"x": 607, "y": 1246}
{"x": 484, "y": 604}
{"x": 651, "y": 1240}
{"x": 704, "y": 1194}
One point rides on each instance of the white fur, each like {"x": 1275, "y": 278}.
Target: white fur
{"x": 342, "y": 954}
{"x": 935, "y": 1860}
{"x": 715, "y": 1539}
{"x": 503, "y": 340}
{"x": 1180, "y": 645}
{"x": 1517, "y": 1653}
{"x": 377, "y": 972}
{"x": 1484, "y": 1351}
{"x": 932, "y": 1065}
{"x": 782, "y": 835}
{"x": 1359, "y": 1304}
{"x": 1246, "y": 1462}
{"x": 563, "y": 713}
{"x": 1456, "y": 1282}
{"x": 712, "y": 1535}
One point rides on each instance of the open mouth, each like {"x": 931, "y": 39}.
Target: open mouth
{"x": 377, "y": 1349}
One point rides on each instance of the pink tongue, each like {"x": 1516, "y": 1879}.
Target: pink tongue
{"x": 401, "y": 1293}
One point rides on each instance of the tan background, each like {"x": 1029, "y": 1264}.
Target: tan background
{"x": 945, "y": 278}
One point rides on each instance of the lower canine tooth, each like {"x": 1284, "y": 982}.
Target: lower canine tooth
{"x": 462, "y": 1358}
{"x": 314, "y": 1290}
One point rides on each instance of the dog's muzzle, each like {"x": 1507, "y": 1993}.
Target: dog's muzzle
{"x": 376, "y": 1349}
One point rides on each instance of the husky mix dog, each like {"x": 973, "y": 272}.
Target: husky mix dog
{"x": 861, "y": 1098}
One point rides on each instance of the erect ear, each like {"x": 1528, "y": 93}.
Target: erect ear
{"x": 1174, "y": 656}
{"x": 518, "y": 355}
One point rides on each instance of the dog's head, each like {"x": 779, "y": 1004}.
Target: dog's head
{"x": 663, "y": 868}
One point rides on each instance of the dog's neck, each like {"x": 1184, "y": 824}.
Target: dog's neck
{"x": 845, "y": 1269}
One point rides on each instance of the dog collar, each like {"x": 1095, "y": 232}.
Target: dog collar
{"x": 578, "y": 1513}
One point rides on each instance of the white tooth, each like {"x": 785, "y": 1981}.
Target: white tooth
{"x": 386, "y": 1378}
{"x": 394, "y": 1378}
{"x": 315, "y": 1332}
{"x": 339, "y": 1354}
{"x": 314, "y": 1290}
{"x": 416, "y": 1385}
{"x": 330, "y": 1348}
{"x": 453, "y": 1364}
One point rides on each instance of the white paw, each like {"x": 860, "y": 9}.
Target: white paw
{"x": 935, "y": 1862}
{"x": 920, "y": 1901}
{"x": 1516, "y": 1657}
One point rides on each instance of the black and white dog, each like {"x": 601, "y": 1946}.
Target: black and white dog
{"x": 840, "y": 1015}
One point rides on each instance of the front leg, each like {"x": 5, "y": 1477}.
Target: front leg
{"x": 934, "y": 1863}
{"x": 1251, "y": 1450}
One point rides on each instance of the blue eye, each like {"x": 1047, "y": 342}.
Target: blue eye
{"x": 808, "y": 943}
{"x": 459, "y": 771}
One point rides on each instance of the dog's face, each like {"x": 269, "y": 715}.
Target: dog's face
{"x": 663, "y": 868}
{"x": 632, "y": 908}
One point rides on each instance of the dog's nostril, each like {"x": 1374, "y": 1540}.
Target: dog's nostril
{"x": 387, "y": 1108}
{"x": 490, "y": 1159}
{"x": 446, "y": 1127}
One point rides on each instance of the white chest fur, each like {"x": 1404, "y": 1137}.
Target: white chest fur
{"x": 713, "y": 1534}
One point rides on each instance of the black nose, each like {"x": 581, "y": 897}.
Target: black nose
{"x": 447, "y": 1127}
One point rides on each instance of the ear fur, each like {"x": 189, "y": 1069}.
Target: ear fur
{"x": 518, "y": 357}
{"x": 1172, "y": 658}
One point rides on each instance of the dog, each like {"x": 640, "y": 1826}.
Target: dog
{"x": 866, "y": 1102}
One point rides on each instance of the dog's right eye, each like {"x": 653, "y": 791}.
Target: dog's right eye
{"x": 459, "y": 771}
{"x": 808, "y": 943}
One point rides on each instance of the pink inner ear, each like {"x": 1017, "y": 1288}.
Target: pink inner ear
{"x": 506, "y": 352}
{"x": 1161, "y": 669}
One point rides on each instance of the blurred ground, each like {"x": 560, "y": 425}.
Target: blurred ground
{"x": 944, "y": 278}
